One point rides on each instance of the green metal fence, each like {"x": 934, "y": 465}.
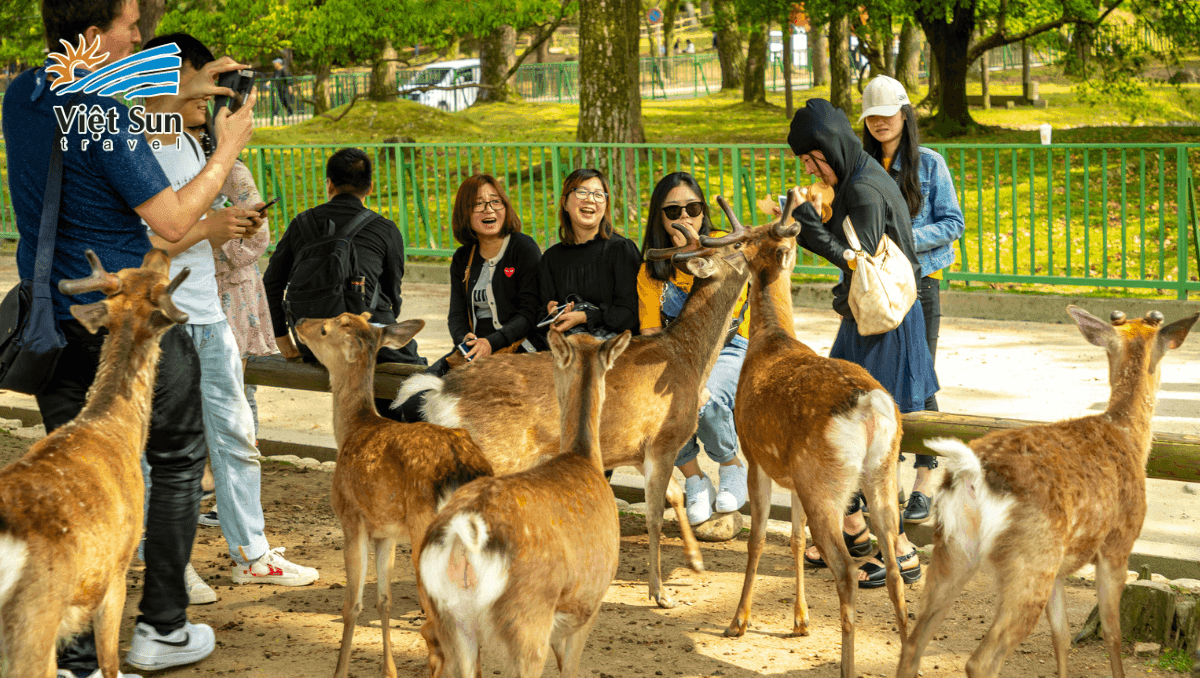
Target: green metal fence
{"x": 1118, "y": 216}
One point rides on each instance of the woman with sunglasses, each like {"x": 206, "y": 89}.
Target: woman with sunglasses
{"x": 494, "y": 295}
{"x": 592, "y": 271}
{"x": 662, "y": 289}
{"x": 891, "y": 137}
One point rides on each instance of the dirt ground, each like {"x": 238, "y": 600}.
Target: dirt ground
{"x": 283, "y": 632}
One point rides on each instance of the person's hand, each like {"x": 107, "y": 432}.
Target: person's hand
{"x": 235, "y": 129}
{"x": 480, "y": 348}
{"x": 568, "y": 320}
{"x": 550, "y": 307}
{"x": 204, "y": 84}
{"x": 226, "y": 224}
{"x": 287, "y": 347}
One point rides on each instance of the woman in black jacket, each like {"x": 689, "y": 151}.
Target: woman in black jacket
{"x": 494, "y": 292}
{"x": 899, "y": 360}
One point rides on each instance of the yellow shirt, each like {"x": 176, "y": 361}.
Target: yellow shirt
{"x": 936, "y": 275}
{"x": 650, "y": 299}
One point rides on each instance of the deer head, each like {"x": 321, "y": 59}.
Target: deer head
{"x": 700, "y": 259}
{"x": 771, "y": 247}
{"x": 133, "y": 292}
{"x": 1133, "y": 346}
{"x": 352, "y": 339}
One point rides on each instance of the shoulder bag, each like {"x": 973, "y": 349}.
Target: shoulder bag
{"x": 882, "y": 289}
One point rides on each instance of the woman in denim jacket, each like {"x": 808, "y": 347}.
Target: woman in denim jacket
{"x": 891, "y": 137}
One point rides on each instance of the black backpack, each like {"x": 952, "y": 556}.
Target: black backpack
{"x": 325, "y": 280}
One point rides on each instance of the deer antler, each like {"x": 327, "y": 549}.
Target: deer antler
{"x": 1117, "y": 317}
{"x": 690, "y": 250}
{"x": 738, "y": 234}
{"x": 99, "y": 281}
{"x": 1154, "y": 317}
{"x": 793, "y": 229}
{"x": 166, "y": 305}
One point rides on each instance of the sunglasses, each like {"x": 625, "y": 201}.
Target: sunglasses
{"x": 693, "y": 209}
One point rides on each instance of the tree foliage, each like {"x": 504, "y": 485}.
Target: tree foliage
{"x": 21, "y": 36}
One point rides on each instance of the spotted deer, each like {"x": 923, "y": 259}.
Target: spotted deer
{"x": 507, "y": 402}
{"x": 390, "y": 477}
{"x": 524, "y": 560}
{"x": 819, "y": 427}
{"x": 71, "y": 507}
{"x": 1039, "y": 502}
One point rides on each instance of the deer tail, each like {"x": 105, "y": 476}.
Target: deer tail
{"x": 969, "y": 513}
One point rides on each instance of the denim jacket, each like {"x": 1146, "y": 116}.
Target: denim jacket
{"x": 940, "y": 221}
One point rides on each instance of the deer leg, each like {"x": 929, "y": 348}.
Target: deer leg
{"x": 657, "y": 476}
{"x": 759, "y": 485}
{"x": 880, "y": 491}
{"x": 30, "y": 621}
{"x": 569, "y": 649}
{"x": 1110, "y": 583}
{"x": 1023, "y": 596}
{"x": 106, "y": 623}
{"x": 691, "y": 547}
{"x": 525, "y": 641}
{"x": 356, "y": 572}
{"x": 947, "y": 574}
{"x": 800, "y": 605}
{"x": 385, "y": 559}
{"x": 1056, "y": 615}
{"x": 826, "y": 528}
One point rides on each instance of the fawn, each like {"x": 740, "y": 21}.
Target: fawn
{"x": 1037, "y": 503}
{"x": 390, "y": 477}
{"x": 72, "y": 505}
{"x": 526, "y": 559}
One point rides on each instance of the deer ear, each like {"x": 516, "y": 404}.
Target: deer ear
{"x": 91, "y": 316}
{"x": 1172, "y": 335}
{"x": 1094, "y": 329}
{"x": 701, "y": 267}
{"x": 613, "y": 348}
{"x": 365, "y": 315}
{"x": 399, "y": 334}
{"x": 560, "y": 347}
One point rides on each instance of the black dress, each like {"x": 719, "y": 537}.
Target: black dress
{"x": 600, "y": 272}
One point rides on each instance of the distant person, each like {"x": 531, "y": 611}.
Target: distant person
{"x": 716, "y": 41}
{"x": 283, "y": 91}
{"x": 676, "y": 45}
{"x": 892, "y": 138}
{"x": 691, "y": 47}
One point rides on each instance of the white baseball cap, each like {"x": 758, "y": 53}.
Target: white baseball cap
{"x": 883, "y": 96}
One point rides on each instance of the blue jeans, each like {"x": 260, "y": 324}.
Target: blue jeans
{"x": 229, "y": 428}
{"x": 716, "y": 429}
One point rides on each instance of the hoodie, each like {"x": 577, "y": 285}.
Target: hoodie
{"x": 864, "y": 192}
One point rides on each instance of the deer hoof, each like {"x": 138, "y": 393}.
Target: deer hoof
{"x": 696, "y": 562}
{"x": 665, "y": 601}
{"x": 736, "y": 630}
{"x": 798, "y": 630}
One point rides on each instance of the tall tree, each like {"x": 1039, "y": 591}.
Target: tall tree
{"x": 839, "y": 63}
{"x": 818, "y": 53}
{"x": 729, "y": 44}
{"x": 610, "y": 100}
{"x": 150, "y": 12}
{"x": 754, "y": 89}
{"x": 497, "y": 54}
{"x": 908, "y": 62}
{"x": 497, "y": 29}
{"x": 670, "y": 10}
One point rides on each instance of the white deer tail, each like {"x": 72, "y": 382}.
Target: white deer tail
{"x": 440, "y": 408}
{"x": 969, "y": 513}
{"x": 13, "y": 554}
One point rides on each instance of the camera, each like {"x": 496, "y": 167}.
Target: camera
{"x": 241, "y": 82}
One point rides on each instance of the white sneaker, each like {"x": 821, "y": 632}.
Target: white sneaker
{"x": 699, "y": 491}
{"x": 199, "y": 593}
{"x": 210, "y": 519}
{"x": 733, "y": 493}
{"x": 186, "y": 644}
{"x": 65, "y": 673}
{"x": 273, "y": 568}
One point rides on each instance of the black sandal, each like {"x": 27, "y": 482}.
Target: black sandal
{"x": 856, "y": 550}
{"x": 877, "y": 576}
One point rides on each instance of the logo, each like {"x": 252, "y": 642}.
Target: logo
{"x": 509, "y": 271}
{"x": 176, "y": 643}
{"x": 151, "y": 73}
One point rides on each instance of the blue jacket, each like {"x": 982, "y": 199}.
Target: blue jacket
{"x": 940, "y": 221}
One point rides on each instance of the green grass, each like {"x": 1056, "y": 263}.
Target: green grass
{"x": 1173, "y": 660}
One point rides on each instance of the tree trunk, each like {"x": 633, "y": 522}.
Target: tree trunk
{"x": 889, "y": 54}
{"x": 818, "y": 54}
{"x": 1026, "y": 77}
{"x": 949, "y": 42}
{"x": 908, "y": 64}
{"x": 497, "y": 54}
{"x": 320, "y": 93}
{"x": 383, "y": 75}
{"x": 454, "y": 49}
{"x": 610, "y": 101}
{"x": 787, "y": 65}
{"x": 839, "y": 64}
{"x": 1081, "y": 48}
{"x": 543, "y": 50}
{"x": 670, "y": 9}
{"x": 754, "y": 89}
{"x": 151, "y": 12}
{"x": 984, "y": 76}
{"x": 729, "y": 45}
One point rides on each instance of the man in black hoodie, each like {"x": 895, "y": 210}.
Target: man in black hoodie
{"x": 821, "y": 135}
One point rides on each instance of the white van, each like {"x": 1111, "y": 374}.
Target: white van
{"x": 444, "y": 74}
{"x": 799, "y": 47}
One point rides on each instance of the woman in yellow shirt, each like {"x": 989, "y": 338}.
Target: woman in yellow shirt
{"x": 662, "y": 289}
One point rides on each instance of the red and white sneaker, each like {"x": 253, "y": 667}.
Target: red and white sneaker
{"x": 273, "y": 568}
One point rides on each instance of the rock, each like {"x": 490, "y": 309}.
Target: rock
{"x": 1130, "y": 577}
{"x": 1188, "y": 488}
{"x": 721, "y": 527}
{"x": 10, "y": 424}
{"x": 31, "y": 432}
{"x": 622, "y": 505}
{"x": 1159, "y": 579}
{"x": 1146, "y": 649}
{"x": 639, "y": 507}
{"x": 328, "y": 466}
{"x": 1147, "y": 611}
{"x": 1144, "y": 573}
{"x": 286, "y": 458}
{"x": 1185, "y": 635}
{"x": 1190, "y": 585}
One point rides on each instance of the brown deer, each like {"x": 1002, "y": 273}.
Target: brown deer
{"x": 390, "y": 477}
{"x": 525, "y": 559}
{"x": 71, "y": 507}
{"x": 507, "y": 402}
{"x": 1037, "y": 503}
{"x": 818, "y": 426}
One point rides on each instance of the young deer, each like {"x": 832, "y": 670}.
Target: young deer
{"x": 390, "y": 477}
{"x": 1038, "y": 503}
{"x": 819, "y": 427}
{"x": 71, "y": 507}
{"x": 507, "y": 402}
{"x": 526, "y": 559}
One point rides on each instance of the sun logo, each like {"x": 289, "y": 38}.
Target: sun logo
{"x": 82, "y": 56}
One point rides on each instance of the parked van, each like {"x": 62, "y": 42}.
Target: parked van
{"x": 444, "y": 74}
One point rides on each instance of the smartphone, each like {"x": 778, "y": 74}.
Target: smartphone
{"x": 562, "y": 308}
{"x": 262, "y": 211}
{"x": 464, "y": 349}
{"x": 239, "y": 81}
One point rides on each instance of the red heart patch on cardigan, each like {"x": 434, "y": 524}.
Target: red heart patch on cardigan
{"x": 509, "y": 271}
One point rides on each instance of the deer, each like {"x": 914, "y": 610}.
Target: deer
{"x": 508, "y": 405}
{"x": 73, "y": 504}
{"x": 390, "y": 476}
{"x": 526, "y": 559}
{"x": 819, "y": 427}
{"x": 1039, "y": 502}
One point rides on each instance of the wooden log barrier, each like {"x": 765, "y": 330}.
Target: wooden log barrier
{"x": 1173, "y": 456}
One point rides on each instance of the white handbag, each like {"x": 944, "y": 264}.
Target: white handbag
{"x": 882, "y": 289}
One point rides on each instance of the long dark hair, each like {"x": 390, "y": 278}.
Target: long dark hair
{"x": 910, "y": 158}
{"x": 656, "y": 236}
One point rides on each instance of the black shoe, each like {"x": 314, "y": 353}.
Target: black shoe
{"x": 917, "y": 510}
{"x": 856, "y": 550}
{"x": 877, "y": 576}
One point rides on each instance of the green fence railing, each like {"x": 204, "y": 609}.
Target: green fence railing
{"x": 1116, "y": 216}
